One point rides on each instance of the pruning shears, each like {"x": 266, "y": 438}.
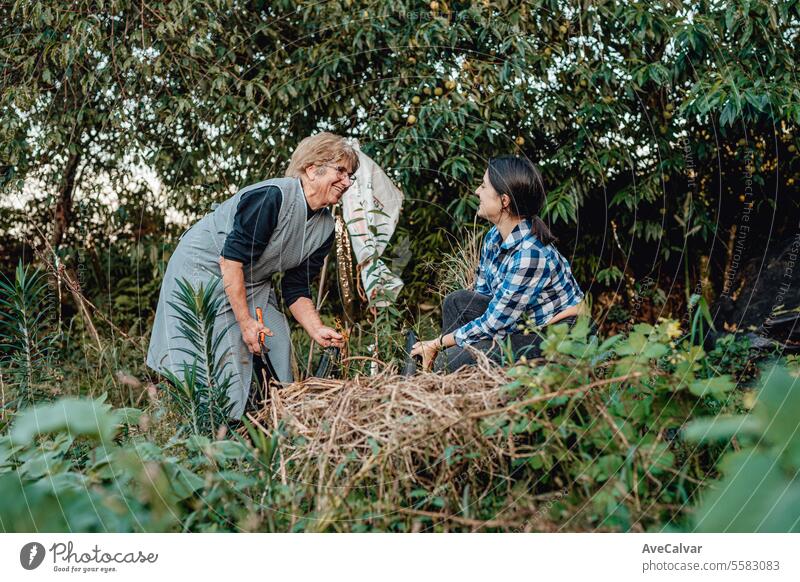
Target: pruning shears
{"x": 262, "y": 336}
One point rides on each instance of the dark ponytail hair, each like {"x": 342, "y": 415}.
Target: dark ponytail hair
{"x": 521, "y": 181}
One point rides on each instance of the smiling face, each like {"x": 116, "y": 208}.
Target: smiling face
{"x": 491, "y": 203}
{"x": 328, "y": 183}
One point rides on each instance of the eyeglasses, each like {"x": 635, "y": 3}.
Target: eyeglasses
{"x": 342, "y": 171}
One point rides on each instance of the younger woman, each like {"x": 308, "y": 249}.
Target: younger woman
{"x": 522, "y": 279}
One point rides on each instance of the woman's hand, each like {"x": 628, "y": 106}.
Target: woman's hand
{"x": 250, "y": 330}
{"x": 326, "y": 336}
{"x": 427, "y": 350}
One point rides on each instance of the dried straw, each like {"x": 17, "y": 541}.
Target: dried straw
{"x": 388, "y": 426}
{"x": 387, "y": 435}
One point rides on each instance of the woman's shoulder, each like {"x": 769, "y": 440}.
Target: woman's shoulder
{"x": 258, "y": 201}
{"x": 285, "y": 182}
{"x": 533, "y": 250}
{"x": 262, "y": 190}
{"x": 532, "y": 244}
{"x": 279, "y": 187}
{"x": 550, "y": 253}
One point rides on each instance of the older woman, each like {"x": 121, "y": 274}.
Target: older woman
{"x": 280, "y": 225}
{"x": 522, "y": 279}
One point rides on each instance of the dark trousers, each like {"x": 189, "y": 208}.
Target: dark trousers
{"x": 461, "y": 307}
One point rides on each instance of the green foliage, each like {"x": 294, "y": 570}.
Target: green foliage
{"x": 609, "y": 439}
{"x": 128, "y": 273}
{"x": 614, "y": 100}
{"x": 595, "y": 420}
{"x": 75, "y": 417}
{"x": 609, "y": 276}
{"x": 201, "y": 392}
{"x": 61, "y": 469}
{"x": 156, "y": 89}
{"x": 731, "y": 355}
{"x": 26, "y": 344}
{"x": 618, "y": 314}
{"x": 759, "y": 490}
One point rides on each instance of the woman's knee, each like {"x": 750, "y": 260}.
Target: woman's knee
{"x": 452, "y": 359}
{"x": 465, "y": 303}
{"x": 453, "y": 308}
{"x": 457, "y": 299}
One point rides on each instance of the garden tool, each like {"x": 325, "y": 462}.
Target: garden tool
{"x": 410, "y": 365}
{"x": 262, "y": 336}
{"x": 328, "y": 362}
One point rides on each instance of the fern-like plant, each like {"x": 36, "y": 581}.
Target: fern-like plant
{"x": 200, "y": 392}
{"x": 27, "y": 345}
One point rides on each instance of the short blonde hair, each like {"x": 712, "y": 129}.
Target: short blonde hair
{"x": 321, "y": 148}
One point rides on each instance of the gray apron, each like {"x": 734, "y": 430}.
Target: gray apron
{"x": 196, "y": 259}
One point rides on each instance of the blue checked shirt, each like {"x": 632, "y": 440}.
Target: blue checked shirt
{"x": 524, "y": 278}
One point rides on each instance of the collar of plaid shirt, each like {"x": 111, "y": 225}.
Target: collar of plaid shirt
{"x": 517, "y": 234}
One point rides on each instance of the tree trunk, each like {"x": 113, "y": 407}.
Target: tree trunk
{"x": 63, "y": 210}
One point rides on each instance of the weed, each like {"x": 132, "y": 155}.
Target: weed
{"x": 201, "y": 391}
{"x": 27, "y": 345}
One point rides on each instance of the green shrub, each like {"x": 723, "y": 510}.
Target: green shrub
{"x": 66, "y": 466}
{"x": 610, "y": 438}
{"x": 200, "y": 393}
{"x": 731, "y": 355}
{"x": 27, "y": 345}
{"x": 60, "y": 470}
{"x": 759, "y": 490}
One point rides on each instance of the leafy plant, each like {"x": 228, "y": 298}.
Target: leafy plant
{"x": 610, "y": 438}
{"x": 609, "y": 276}
{"x": 65, "y": 466}
{"x": 731, "y": 355}
{"x": 60, "y": 470}
{"x": 201, "y": 391}
{"x": 618, "y": 314}
{"x": 759, "y": 490}
{"x": 27, "y": 345}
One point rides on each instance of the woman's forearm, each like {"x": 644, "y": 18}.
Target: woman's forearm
{"x": 305, "y": 313}
{"x": 233, "y": 282}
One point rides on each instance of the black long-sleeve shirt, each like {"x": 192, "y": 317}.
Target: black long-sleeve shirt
{"x": 255, "y": 221}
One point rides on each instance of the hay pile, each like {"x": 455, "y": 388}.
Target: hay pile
{"x": 422, "y": 430}
{"x": 428, "y": 441}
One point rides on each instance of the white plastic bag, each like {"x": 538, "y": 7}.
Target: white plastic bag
{"x": 371, "y": 208}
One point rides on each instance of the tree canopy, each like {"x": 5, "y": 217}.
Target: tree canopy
{"x": 656, "y": 124}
